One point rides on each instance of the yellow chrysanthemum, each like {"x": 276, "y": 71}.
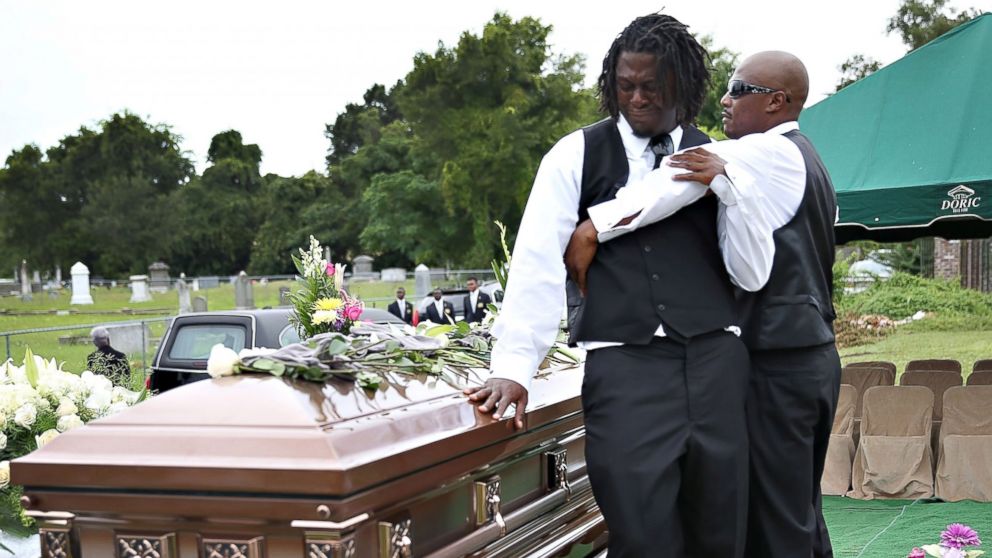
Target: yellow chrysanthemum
{"x": 328, "y": 304}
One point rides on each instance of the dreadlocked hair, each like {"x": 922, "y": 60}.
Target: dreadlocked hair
{"x": 678, "y": 54}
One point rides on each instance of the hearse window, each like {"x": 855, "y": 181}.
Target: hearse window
{"x": 288, "y": 336}
{"x": 193, "y": 342}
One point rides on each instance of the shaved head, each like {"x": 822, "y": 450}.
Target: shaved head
{"x": 779, "y": 70}
{"x": 784, "y": 87}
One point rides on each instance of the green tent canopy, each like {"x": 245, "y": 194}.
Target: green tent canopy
{"x": 909, "y": 148}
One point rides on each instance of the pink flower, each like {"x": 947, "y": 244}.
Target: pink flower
{"x": 353, "y": 312}
{"x": 917, "y": 552}
{"x": 957, "y": 535}
{"x": 329, "y": 269}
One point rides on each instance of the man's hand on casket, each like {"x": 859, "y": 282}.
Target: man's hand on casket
{"x": 499, "y": 394}
{"x": 580, "y": 252}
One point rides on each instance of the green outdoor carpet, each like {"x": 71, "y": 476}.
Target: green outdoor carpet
{"x": 875, "y": 529}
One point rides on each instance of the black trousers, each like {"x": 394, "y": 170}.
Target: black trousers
{"x": 666, "y": 445}
{"x": 790, "y": 411}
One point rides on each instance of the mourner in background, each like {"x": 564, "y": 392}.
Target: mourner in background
{"x": 476, "y": 302}
{"x": 401, "y": 308}
{"x": 665, "y": 374}
{"x": 439, "y": 310}
{"x": 107, "y": 361}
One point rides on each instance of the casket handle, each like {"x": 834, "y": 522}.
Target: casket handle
{"x": 487, "y": 503}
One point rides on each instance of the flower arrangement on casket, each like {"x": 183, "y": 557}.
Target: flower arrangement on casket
{"x": 338, "y": 345}
{"x": 39, "y": 401}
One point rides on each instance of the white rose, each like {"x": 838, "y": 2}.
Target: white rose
{"x": 69, "y": 422}
{"x": 3, "y": 420}
{"x": 66, "y": 407}
{"x": 26, "y": 415}
{"x": 3, "y": 440}
{"x": 98, "y": 399}
{"x": 221, "y": 361}
{"x": 45, "y": 437}
{"x": 4, "y": 474}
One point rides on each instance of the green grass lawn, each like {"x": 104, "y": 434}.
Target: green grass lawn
{"x": 891, "y": 528}
{"x": 109, "y": 305}
{"x": 905, "y": 345}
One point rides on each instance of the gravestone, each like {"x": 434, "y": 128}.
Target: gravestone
{"x": 35, "y": 281}
{"x": 159, "y": 280}
{"x": 58, "y": 275}
{"x": 284, "y": 296}
{"x": 129, "y": 338}
{"x": 361, "y": 268}
{"x": 421, "y": 281}
{"x": 185, "y": 306}
{"x": 243, "y": 297}
{"x": 139, "y": 288}
{"x": 80, "y": 284}
{"x": 199, "y": 304}
{"x": 25, "y": 282}
{"x": 394, "y": 274}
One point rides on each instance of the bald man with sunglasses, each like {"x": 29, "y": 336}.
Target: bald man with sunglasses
{"x": 775, "y": 226}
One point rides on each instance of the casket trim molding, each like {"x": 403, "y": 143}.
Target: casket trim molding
{"x": 143, "y": 545}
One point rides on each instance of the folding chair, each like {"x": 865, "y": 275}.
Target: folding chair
{"x": 836, "y": 479}
{"x": 937, "y": 364}
{"x": 894, "y": 457}
{"x": 964, "y": 469}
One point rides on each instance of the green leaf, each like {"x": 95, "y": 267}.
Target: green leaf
{"x": 368, "y": 380}
{"x": 30, "y": 367}
{"x": 463, "y": 328}
{"x": 337, "y": 346}
{"x": 439, "y": 330}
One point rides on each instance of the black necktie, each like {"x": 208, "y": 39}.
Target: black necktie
{"x": 660, "y": 145}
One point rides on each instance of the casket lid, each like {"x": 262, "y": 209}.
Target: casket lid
{"x": 257, "y": 434}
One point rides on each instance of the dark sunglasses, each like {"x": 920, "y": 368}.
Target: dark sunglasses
{"x": 738, "y": 88}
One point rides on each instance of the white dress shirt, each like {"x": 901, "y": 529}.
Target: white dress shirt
{"x": 439, "y": 306}
{"x": 473, "y": 299}
{"x": 767, "y": 181}
{"x": 401, "y": 304}
{"x": 534, "y": 302}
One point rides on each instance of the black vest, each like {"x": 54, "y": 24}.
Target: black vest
{"x": 670, "y": 272}
{"x": 795, "y": 308}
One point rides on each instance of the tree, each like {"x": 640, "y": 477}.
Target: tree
{"x": 283, "y": 231}
{"x": 483, "y": 113}
{"x": 920, "y": 21}
{"x": 723, "y": 61}
{"x": 856, "y": 67}
{"x": 360, "y": 125}
{"x": 102, "y": 197}
{"x": 220, "y": 211}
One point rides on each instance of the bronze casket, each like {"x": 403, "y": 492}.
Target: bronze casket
{"x": 257, "y": 466}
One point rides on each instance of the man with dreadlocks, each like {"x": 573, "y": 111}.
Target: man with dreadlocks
{"x": 665, "y": 374}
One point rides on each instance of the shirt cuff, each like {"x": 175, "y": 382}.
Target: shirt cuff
{"x": 605, "y": 216}
{"x": 513, "y": 367}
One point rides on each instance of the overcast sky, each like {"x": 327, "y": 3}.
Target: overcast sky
{"x": 279, "y": 71}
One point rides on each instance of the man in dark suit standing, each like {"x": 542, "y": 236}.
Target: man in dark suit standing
{"x": 476, "y": 302}
{"x": 665, "y": 375}
{"x": 401, "y": 308}
{"x": 440, "y": 311}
